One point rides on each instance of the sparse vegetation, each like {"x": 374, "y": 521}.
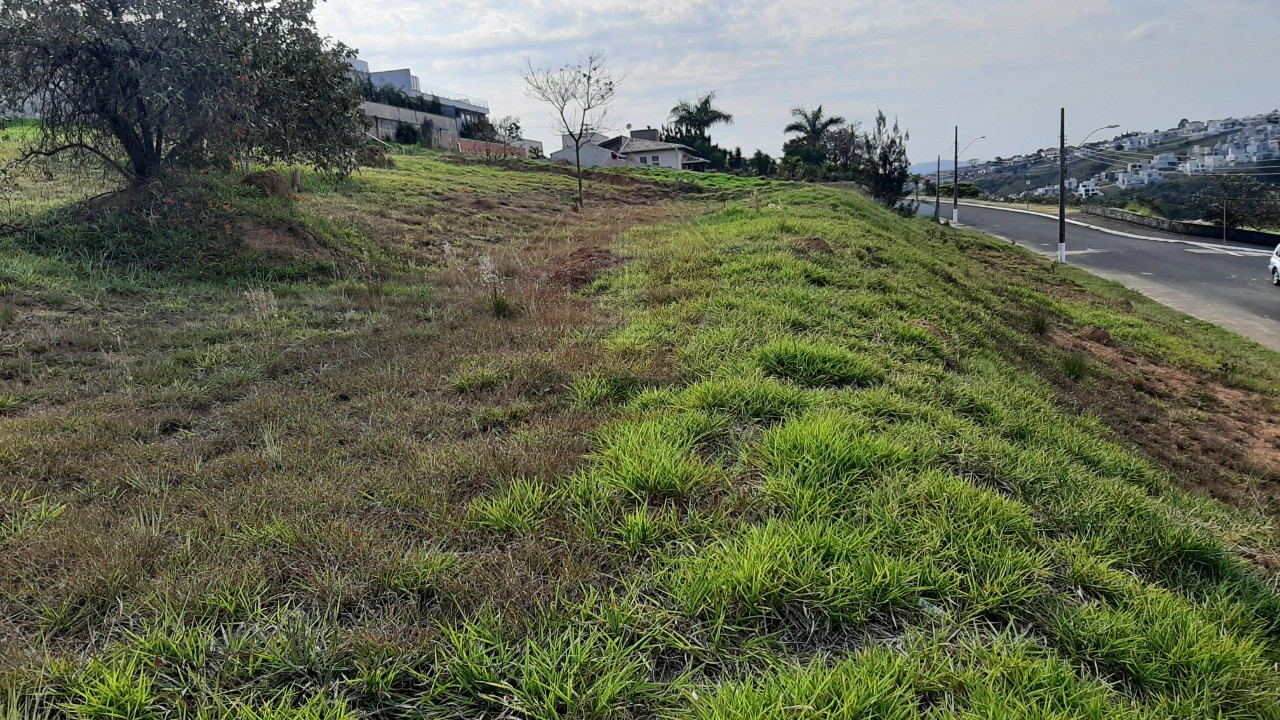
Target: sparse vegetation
{"x": 799, "y": 456}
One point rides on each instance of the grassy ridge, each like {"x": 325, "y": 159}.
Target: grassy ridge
{"x": 815, "y": 484}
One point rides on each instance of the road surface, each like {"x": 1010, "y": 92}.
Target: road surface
{"x": 1225, "y": 286}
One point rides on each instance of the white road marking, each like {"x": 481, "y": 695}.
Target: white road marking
{"x": 1217, "y": 251}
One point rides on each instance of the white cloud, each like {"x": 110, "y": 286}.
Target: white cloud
{"x": 999, "y": 68}
{"x": 1149, "y": 30}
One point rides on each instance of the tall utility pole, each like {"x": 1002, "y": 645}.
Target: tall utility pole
{"x": 937, "y": 190}
{"x": 955, "y": 182}
{"x": 1062, "y": 186}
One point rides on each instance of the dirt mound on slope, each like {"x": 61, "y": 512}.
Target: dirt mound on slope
{"x": 270, "y": 183}
{"x": 583, "y": 266}
{"x": 295, "y": 242}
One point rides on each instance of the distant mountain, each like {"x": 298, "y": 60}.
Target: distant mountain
{"x": 928, "y": 168}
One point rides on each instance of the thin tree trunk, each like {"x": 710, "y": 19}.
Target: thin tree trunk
{"x": 577, "y": 158}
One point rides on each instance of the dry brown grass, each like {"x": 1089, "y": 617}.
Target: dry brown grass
{"x": 215, "y": 451}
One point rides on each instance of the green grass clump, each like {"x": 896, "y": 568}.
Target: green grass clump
{"x": 1076, "y": 366}
{"x": 579, "y": 672}
{"x": 518, "y": 507}
{"x": 478, "y": 380}
{"x": 122, "y": 690}
{"x": 654, "y": 459}
{"x": 600, "y": 389}
{"x": 746, "y": 398}
{"x": 818, "y": 364}
{"x": 872, "y": 684}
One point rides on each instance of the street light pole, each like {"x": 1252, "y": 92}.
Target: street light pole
{"x": 955, "y": 182}
{"x": 937, "y": 190}
{"x": 955, "y": 176}
{"x": 1062, "y": 185}
{"x": 1062, "y": 182}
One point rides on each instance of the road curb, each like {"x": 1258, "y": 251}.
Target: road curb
{"x": 1250, "y": 252}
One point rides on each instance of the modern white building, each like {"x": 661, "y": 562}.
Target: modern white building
{"x": 1127, "y": 180}
{"x": 1089, "y": 189}
{"x": 461, "y": 109}
{"x": 641, "y": 148}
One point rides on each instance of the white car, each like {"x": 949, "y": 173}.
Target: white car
{"x": 1275, "y": 266}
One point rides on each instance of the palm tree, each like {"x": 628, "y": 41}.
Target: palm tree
{"x": 696, "y": 118}
{"x": 812, "y": 125}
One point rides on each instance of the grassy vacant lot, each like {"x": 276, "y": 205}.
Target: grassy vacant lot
{"x": 406, "y": 453}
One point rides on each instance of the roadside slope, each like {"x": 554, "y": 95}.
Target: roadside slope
{"x": 811, "y": 456}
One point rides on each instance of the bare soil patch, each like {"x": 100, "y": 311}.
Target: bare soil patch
{"x": 813, "y": 245}
{"x": 269, "y": 183}
{"x": 1223, "y": 441}
{"x": 375, "y": 158}
{"x": 293, "y": 242}
{"x": 583, "y": 266}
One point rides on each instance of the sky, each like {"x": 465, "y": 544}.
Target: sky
{"x": 997, "y": 68}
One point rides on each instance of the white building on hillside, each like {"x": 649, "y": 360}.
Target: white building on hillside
{"x": 642, "y": 148}
{"x": 1089, "y": 189}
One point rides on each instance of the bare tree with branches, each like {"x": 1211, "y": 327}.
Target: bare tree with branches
{"x": 580, "y": 95}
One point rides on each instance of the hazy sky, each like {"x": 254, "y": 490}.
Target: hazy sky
{"x": 999, "y": 68}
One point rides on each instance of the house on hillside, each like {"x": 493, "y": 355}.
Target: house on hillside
{"x": 641, "y": 148}
{"x": 1224, "y": 125}
{"x": 1164, "y": 161}
{"x": 1194, "y": 166}
{"x": 1127, "y": 180}
{"x": 592, "y": 153}
{"x": 1088, "y": 189}
{"x": 455, "y": 110}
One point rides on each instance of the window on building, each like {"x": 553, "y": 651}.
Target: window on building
{"x": 644, "y": 160}
{"x": 655, "y": 160}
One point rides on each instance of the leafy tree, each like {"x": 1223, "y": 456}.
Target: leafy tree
{"x": 407, "y": 134}
{"x": 508, "y": 130}
{"x": 887, "y": 166}
{"x": 580, "y": 95}
{"x": 1241, "y": 201}
{"x": 812, "y": 126}
{"x": 690, "y": 123}
{"x": 696, "y": 118}
{"x": 480, "y": 129}
{"x": 790, "y": 167}
{"x": 843, "y": 148}
{"x": 802, "y": 152}
{"x": 136, "y": 85}
{"x": 762, "y": 164}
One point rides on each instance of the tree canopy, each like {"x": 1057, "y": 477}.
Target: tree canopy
{"x": 812, "y": 126}
{"x": 887, "y": 166}
{"x": 698, "y": 117}
{"x": 139, "y": 85}
{"x": 1240, "y": 200}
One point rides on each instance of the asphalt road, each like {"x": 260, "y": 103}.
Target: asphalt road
{"x": 1228, "y": 287}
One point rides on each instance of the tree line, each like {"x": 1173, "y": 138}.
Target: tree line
{"x": 820, "y": 148}
{"x": 141, "y": 87}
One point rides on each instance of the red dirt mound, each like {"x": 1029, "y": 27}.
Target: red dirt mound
{"x": 583, "y": 266}
{"x": 375, "y": 158}
{"x": 270, "y": 183}
{"x": 814, "y": 245}
{"x": 292, "y": 241}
